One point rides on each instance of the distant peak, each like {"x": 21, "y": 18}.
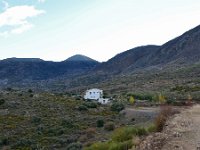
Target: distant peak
{"x": 79, "y": 57}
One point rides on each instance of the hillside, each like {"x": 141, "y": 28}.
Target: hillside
{"x": 181, "y": 51}
{"x": 136, "y": 57}
{"x": 26, "y": 70}
{"x": 81, "y": 71}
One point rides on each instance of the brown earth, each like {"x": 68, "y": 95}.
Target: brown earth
{"x": 182, "y": 132}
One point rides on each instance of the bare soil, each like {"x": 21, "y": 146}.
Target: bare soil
{"x": 182, "y": 132}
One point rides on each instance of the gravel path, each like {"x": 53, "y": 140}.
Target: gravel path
{"x": 182, "y": 132}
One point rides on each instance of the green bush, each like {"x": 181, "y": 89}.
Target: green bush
{"x": 127, "y": 133}
{"x": 121, "y": 145}
{"x": 82, "y": 108}
{"x": 30, "y": 91}
{"x": 141, "y": 131}
{"x": 109, "y": 126}
{"x": 100, "y": 123}
{"x": 111, "y": 146}
{"x": 123, "y": 134}
{"x": 142, "y": 96}
{"x": 90, "y": 104}
{"x": 9, "y": 89}
{"x": 4, "y": 141}
{"x": 117, "y": 106}
{"x": 74, "y": 146}
{"x": 23, "y": 143}
{"x": 2, "y": 101}
{"x": 98, "y": 146}
{"x": 67, "y": 123}
{"x": 36, "y": 120}
{"x": 151, "y": 128}
{"x": 121, "y": 139}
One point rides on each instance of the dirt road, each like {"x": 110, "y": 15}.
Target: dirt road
{"x": 182, "y": 132}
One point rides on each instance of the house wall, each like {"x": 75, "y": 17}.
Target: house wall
{"x": 103, "y": 100}
{"x": 93, "y": 94}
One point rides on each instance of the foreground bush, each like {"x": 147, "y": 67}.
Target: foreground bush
{"x": 127, "y": 133}
{"x": 111, "y": 146}
{"x": 165, "y": 112}
{"x": 122, "y": 138}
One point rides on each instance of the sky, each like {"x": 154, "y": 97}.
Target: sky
{"x": 100, "y": 29}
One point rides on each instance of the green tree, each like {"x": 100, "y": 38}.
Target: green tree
{"x": 161, "y": 99}
{"x": 132, "y": 100}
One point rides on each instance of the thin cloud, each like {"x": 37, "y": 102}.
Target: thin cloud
{"x": 22, "y": 28}
{"x": 6, "y": 5}
{"x": 41, "y": 1}
{"x": 17, "y": 19}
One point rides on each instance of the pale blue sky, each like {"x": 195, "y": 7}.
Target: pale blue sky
{"x": 57, "y": 29}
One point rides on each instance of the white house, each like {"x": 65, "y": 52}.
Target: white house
{"x": 96, "y": 94}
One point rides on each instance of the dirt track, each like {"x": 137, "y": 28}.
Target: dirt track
{"x": 182, "y": 132}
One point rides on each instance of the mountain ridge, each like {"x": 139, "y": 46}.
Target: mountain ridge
{"x": 179, "y": 52}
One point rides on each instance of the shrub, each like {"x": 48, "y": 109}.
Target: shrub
{"x": 141, "y": 131}
{"x": 78, "y": 98}
{"x": 109, "y": 126}
{"x": 36, "y": 120}
{"x": 144, "y": 96}
{"x": 74, "y": 146}
{"x": 117, "y": 106}
{"x": 67, "y": 123}
{"x": 160, "y": 122}
{"x": 30, "y": 91}
{"x": 122, "y": 139}
{"x": 90, "y": 132}
{"x": 23, "y": 143}
{"x": 121, "y": 145}
{"x": 111, "y": 146}
{"x": 131, "y": 100}
{"x": 9, "y": 89}
{"x": 2, "y": 101}
{"x": 4, "y": 141}
{"x": 151, "y": 128}
{"x": 123, "y": 134}
{"x": 165, "y": 113}
{"x": 98, "y": 146}
{"x": 100, "y": 123}
{"x": 127, "y": 133}
{"x": 90, "y": 105}
{"x": 82, "y": 108}
{"x": 170, "y": 101}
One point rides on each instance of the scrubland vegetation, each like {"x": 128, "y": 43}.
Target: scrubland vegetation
{"x": 46, "y": 120}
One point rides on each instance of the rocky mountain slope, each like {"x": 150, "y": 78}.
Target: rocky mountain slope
{"x": 25, "y": 69}
{"x": 181, "y": 51}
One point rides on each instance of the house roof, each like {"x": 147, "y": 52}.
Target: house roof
{"x": 94, "y": 89}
